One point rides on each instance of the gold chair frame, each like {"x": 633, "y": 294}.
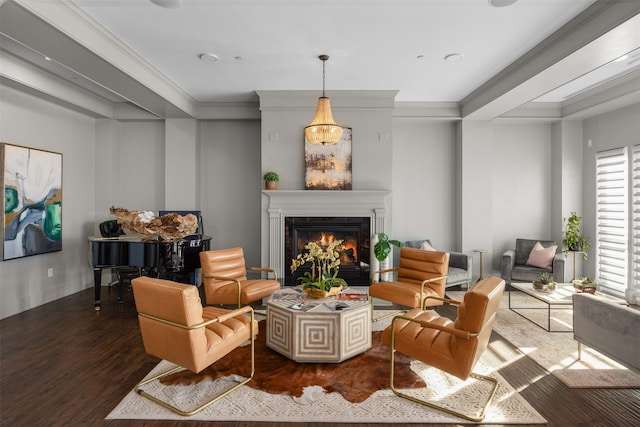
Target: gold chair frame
{"x": 423, "y": 297}
{"x": 239, "y": 285}
{"x": 138, "y": 388}
{"x": 458, "y": 333}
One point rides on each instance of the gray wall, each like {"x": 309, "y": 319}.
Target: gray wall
{"x": 110, "y": 162}
{"x": 29, "y": 121}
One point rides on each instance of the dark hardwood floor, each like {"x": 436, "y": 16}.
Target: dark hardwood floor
{"x": 64, "y": 364}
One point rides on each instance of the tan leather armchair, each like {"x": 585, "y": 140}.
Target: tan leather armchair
{"x": 225, "y": 278}
{"x": 175, "y": 327}
{"x": 420, "y": 274}
{"x": 451, "y": 346}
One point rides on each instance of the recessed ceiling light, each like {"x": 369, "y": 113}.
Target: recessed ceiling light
{"x": 501, "y": 3}
{"x": 453, "y": 57}
{"x": 208, "y": 57}
{"x": 168, "y": 4}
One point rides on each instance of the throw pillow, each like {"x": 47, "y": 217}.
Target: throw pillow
{"x": 542, "y": 257}
{"x": 425, "y": 246}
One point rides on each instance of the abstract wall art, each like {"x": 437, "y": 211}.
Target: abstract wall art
{"x": 32, "y": 201}
{"x": 328, "y": 167}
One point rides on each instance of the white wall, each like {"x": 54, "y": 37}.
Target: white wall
{"x": 521, "y": 185}
{"x": 29, "y": 121}
{"x": 424, "y": 181}
{"x": 231, "y": 185}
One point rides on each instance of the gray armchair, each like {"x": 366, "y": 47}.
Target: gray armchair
{"x": 514, "y": 268}
{"x": 460, "y": 265}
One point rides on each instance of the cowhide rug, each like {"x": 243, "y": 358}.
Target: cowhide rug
{"x": 355, "y": 379}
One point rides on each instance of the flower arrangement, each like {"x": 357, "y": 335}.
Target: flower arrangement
{"x": 325, "y": 263}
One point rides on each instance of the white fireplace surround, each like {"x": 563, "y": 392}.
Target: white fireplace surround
{"x": 310, "y": 203}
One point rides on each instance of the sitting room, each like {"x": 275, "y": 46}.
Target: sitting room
{"x": 413, "y": 122}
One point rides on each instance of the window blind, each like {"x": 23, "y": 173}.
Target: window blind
{"x": 636, "y": 216}
{"x": 612, "y": 220}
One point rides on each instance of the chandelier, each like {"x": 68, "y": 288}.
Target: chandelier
{"x": 323, "y": 129}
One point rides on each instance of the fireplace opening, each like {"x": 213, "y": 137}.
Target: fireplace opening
{"x": 354, "y": 250}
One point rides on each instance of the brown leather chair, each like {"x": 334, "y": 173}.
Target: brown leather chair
{"x": 225, "y": 278}
{"x": 420, "y": 274}
{"x": 175, "y": 327}
{"x": 451, "y": 346}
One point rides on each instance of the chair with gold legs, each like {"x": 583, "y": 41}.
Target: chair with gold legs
{"x": 225, "y": 278}
{"x": 175, "y": 327}
{"x": 451, "y": 346}
{"x": 420, "y": 274}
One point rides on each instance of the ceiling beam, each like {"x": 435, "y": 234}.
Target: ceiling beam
{"x": 602, "y": 33}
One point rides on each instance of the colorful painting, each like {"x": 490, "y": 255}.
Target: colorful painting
{"x": 32, "y": 206}
{"x": 328, "y": 167}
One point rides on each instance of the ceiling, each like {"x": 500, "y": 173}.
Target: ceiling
{"x": 373, "y": 45}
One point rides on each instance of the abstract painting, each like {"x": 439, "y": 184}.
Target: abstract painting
{"x": 328, "y": 167}
{"x": 32, "y": 202}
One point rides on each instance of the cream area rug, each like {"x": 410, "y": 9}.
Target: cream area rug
{"x": 248, "y": 404}
{"x": 557, "y": 352}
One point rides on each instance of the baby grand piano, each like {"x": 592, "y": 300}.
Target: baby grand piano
{"x": 175, "y": 260}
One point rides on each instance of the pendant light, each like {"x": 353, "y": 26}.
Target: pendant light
{"x": 323, "y": 129}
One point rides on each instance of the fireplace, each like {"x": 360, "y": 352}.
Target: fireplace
{"x": 278, "y": 205}
{"x": 354, "y": 250}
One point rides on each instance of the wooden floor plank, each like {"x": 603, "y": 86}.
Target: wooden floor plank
{"x": 64, "y": 364}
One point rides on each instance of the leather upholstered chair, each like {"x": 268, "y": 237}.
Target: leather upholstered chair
{"x": 225, "y": 278}
{"x": 175, "y": 327}
{"x": 419, "y": 274}
{"x": 460, "y": 265}
{"x": 451, "y": 346}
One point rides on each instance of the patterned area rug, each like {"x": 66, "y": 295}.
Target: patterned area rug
{"x": 557, "y": 352}
{"x": 315, "y": 404}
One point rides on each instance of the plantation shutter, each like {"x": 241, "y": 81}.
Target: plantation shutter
{"x": 636, "y": 216}
{"x": 611, "y": 221}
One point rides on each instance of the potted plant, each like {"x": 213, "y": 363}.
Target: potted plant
{"x": 270, "y": 179}
{"x": 544, "y": 283}
{"x": 585, "y": 285}
{"x": 382, "y": 248}
{"x": 573, "y": 240}
{"x": 321, "y": 281}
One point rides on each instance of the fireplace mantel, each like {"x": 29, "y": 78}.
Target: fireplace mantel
{"x": 285, "y": 203}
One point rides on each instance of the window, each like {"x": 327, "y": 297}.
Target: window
{"x": 612, "y": 234}
{"x": 636, "y": 221}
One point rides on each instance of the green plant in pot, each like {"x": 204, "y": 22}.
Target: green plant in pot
{"x": 573, "y": 240}
{"x": 271, "y": 178}
{"x": 545, "y": 283}
{"x": 585, "y": 284}
{"x": 382, "y": 248}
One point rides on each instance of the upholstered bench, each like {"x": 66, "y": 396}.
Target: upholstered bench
{"x": 610, "y": 328}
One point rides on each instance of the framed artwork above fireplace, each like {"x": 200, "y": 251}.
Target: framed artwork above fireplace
{"x": 328, "y": 167}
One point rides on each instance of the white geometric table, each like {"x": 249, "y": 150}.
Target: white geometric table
{"x": 319, "y": 335}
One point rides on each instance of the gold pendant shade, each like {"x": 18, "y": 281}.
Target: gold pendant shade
{"x": 323, "y": 129}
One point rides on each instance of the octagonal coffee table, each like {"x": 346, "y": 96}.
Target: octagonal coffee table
{"x": 319, "y": 334}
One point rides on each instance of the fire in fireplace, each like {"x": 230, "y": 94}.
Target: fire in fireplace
{"x": 354, "y": 251}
